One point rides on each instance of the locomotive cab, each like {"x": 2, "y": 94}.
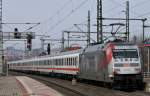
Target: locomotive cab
{"x": 126, "y": 65}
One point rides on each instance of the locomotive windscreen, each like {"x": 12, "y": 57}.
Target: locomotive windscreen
{"x": 125, "y": 53}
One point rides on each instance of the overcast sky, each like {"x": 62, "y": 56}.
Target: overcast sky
{"x": 58, "y": 15}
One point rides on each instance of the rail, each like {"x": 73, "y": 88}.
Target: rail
{"x": 146, "y": 74}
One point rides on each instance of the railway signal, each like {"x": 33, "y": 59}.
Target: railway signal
{"x": 29, "y": 42}
{"x": 49, "y": 49}
{"x": 17, "y": 35}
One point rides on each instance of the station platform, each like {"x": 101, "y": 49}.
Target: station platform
{"x": 147, "y": 84}
{"x": 24, "y": 86}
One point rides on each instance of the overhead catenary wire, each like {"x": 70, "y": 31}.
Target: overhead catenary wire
{"x": 58, "y": 11}
{"x": 68, "y": 15}
{"x": 140, "y": 3}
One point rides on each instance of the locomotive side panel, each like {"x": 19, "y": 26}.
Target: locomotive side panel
{"x": 93, "y": 66}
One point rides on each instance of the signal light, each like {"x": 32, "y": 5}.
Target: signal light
{"x": 48, "y": 49}
{"x": 29, "y": 42}
{"x": 17, "y": 35}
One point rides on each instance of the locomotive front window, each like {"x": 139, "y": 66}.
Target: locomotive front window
{"x": 125, "y": 53}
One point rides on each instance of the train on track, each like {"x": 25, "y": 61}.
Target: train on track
{"x": 117, "y": 64}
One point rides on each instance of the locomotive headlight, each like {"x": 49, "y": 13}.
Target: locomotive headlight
{"x": 116, "y": 60}
{"x": 116, "y": 71}
{"x": 136, "y": 59}
{"x": 137, "y": 69}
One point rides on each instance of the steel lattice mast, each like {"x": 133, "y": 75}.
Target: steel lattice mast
{"x": 99, "y": 22}
{"x": 1, "y": 40}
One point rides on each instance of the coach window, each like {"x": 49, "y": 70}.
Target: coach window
{"x": 62, "y": 62}
{"x": 72, "y": 61}
{"x": 47, "y": 62}
{"x": 67, "y": 61}
{"x": 34, "y": 63}
{"x": 50, "y": 63}
{"x": 75, "y": 61}
{"x": 40, "y": 63}
{"x": 30, "y": 63}
{"x": 59, "y": 62}
{"x": 43, "y": 62}
{"x": 55, "y": 62}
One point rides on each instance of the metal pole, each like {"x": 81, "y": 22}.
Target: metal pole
{"x": 143, "y": 21}
{"x": 89, "y": 29}
{"x": 42, "y": 44}
{"x": 99, "y": 22}
{"x": 127, "y": 20}
{"x": 1, "y": 41}
{"x": 68, "y": 37}
{"x": 63, "y": 41}
{"x": 25, "y": 49}
{"x": 148, "y": 61}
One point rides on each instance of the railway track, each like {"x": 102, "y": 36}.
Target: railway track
{"x": 82, "y": 89}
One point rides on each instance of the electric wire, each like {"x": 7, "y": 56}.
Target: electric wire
{"x": 68, "y": 15}
{"x": 58, "y": 11}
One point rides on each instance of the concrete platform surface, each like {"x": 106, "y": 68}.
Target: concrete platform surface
{"x": 9, "y": 86}
{"x": 35, "y": 88}
{"x": 24, "y": 86}
{"x": 147, "y": 80}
